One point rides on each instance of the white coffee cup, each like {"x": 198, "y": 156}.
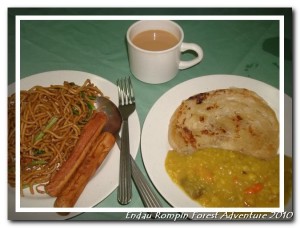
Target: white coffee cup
{"x": 159, "y": 66}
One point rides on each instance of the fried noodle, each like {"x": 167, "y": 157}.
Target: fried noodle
{"x": 51, "y": 119}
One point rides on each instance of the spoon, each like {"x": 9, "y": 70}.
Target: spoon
{"x": 113, "y": 126}
{"x": 114, "y": 122}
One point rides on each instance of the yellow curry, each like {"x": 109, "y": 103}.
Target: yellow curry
{"x": 218, "y": 178}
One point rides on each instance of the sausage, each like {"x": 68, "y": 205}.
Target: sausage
{"x": 70, "y": 194}
{"x": 88, "y": 134}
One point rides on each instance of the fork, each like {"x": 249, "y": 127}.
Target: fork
{"x": 126, "y": 107}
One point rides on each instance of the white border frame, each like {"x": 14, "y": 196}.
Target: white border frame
{"x": 130, "y": 209}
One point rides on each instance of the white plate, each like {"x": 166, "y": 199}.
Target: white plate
{"x": 106, "y": 178}
{"x": 154, "y": 140}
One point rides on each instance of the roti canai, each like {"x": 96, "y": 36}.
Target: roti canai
{"x": 232, "y": 119}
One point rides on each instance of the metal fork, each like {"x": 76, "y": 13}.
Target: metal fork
{"x": 126, "y": 107}
{"x": 148, "y": 196}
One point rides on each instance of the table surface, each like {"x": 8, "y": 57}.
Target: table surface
{"x": 247, "y": 48}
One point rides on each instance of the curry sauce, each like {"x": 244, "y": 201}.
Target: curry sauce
{"x": 220, "y": 178}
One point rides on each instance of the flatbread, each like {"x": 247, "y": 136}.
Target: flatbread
{"x": 232, "y": 119}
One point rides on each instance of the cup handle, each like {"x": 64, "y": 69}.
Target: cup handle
{"x": 194, "y": 47}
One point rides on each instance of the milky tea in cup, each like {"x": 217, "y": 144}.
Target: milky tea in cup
{"x": 154, "y": 49}
{"x": 155, "y": 40}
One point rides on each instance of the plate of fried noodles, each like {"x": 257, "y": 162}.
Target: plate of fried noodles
{"x": 60, "y": 103}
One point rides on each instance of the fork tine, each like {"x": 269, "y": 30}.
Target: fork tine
{"x": 131, "y": 93}
{"x": 120, "y": 92}
{"x": 126, "y": 90}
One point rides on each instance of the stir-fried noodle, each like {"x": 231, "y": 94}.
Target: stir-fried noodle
{"x": 51, "y": 119}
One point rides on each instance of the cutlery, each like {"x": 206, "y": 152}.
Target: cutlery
{"x": 147, "y": 195}
{"x": 126, "y": 107}
{"x": 113, "y": 126}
